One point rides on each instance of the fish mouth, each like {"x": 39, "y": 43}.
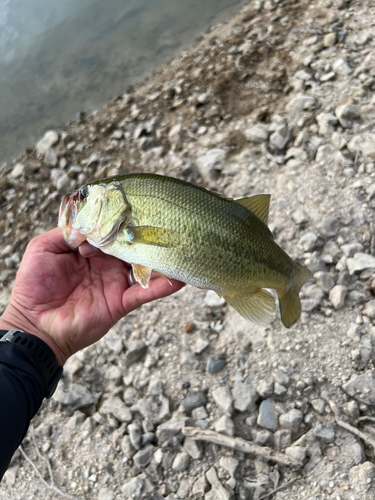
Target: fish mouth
{"x": 67, "y": 213}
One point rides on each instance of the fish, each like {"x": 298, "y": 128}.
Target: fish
{"x": 188, "y": 233}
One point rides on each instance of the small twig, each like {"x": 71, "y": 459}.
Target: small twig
{"x": 49, "y": 486}
{"x": 240, "y": 444}
{"x": 41, "y": 456}
{"x": 365, "y": 437}
{"x": 369, "y": 419}
{"x": 282, "y": 487}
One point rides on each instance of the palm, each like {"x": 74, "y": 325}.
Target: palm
{"x": 76, "y": 299}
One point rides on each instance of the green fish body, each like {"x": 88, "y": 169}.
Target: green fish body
{"x": 190, "y": 234}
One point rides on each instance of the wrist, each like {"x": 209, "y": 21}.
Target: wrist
{"x": 11, "y": 318}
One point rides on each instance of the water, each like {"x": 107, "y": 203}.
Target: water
{"x": 59, "y": 57}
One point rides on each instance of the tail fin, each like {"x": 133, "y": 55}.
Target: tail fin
{"x": 290, "y": 305}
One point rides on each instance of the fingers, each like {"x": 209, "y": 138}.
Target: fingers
{"x": 52, "y": 241}
{"x": 87, "y": 250}
{"x": 135, "y": 296}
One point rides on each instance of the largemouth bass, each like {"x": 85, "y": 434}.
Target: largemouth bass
{"x": 188, "y": 233}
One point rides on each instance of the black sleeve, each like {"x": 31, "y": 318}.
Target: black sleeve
{"x": 22, "y": 389}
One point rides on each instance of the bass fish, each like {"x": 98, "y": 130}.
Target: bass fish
{"x": 190, "y": 234}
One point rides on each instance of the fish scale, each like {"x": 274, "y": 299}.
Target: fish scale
{"x": 188, "y": 233}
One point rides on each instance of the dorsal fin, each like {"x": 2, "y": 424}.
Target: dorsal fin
{"x": 259, "y": 205}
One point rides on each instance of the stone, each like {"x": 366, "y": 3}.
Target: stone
{"x": 341, "y": 67}
{"x": 133, "y": 488}
{"x": 282, "y": 438}
{"x": 347, "y": 114}
{"x": 245, "y": 396}
{"x": 214, "y": 365}
{"x": 326, "y": 122}
{"x": 257, "y": 134}
{"x": 131, "y": 395}
{"x": 200, "y": 345}
{"x": 337, "y": 296}
{"x": 300, "y": 103}
{"x": 281, "y": 377}
{"x": 370, "y": 309}
{"x": 223, "y": 398}
{"x": 296, "y": 453}
{"x": 50, "y": 158}
{"x": 300, "y": 217}
{"x": 17, "y": 171}
{"x": 267, "y": 415}
{"x": 329, "y": 226}
{"x": 218, "y": 490}
{"x": 188, "y": 361}
{"x": 183, "y": 488}
{"x": 192, "y": 448}
{"x": 279, "y": 139}
{"x": 308, "y": 242}
{"x": 181, "y": 462}
{"x": 135, "y": 351}
{"x": 148, "y": 408}
{"x": 362, "y": 388}
{"x": 314, "y": 296}
{"x": 319, "y": 405}
{"x": 359, "y": 262}
{"x": 212, "y": 299}
{"x": 170, "y": 428}
{"x": 194, "y": 399}
{"x": 325, "y": 432}
{"x": 113, "y": 341}
{"x": 135, "y": 434}
{"x": 76, "y": 396}
{"x": 363, "y": 476}
{"x": 261, "y": 437}
{"x": 291, "y": 420}
{"x": 325, "y": 281}
{"x": 230, "y": 464}
{"x": 329, "y": 39}
{"x": 265, "y": 388}
{"x": 116, "y": 407}
{"x": 143, "y": 457}
{"x": 49, "y": 139}
{"x": 199, "y": 488}
{"x": 114, "y": 373}
{"x": 176, "y": 133}
{"x": 106, "y": 494}
{"x": 351, "y": 445}
{"x": 126, "y": 447}
{"x": 211, "y": 163}
{"x": 225, "y": 425}
{"x": 155, "y": 386}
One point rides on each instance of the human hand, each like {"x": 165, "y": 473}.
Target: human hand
{"x": 71, "y": 299}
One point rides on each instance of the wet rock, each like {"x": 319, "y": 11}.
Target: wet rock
{"x": 245, "y": 396}
{"x": 337, "y": 296}
{"x": 362, "y": 388}
{"x": 267, "y": 415}
{"x": 359, "y": 262}
{"x": 49, "y": 139}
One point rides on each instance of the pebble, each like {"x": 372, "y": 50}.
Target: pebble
{"x": 308, "y": 242}
{"x": 347, "y": 114}
{"x": 224, "y": 425}
{"x": 291, "y": 420}
{"x": 362, "y": 387}
{"x": 212, "y": 299}
{"x": 326, "y": 122}
{"x": 133, "y": 488}
{"x": 143, "y": 457}
{"x": 300, "y": 103}
{"x": 329, "y": 226}
{"x": 106, "y": 494}
{"x": 363, "y": 476}
{"x": 337, "y": 296}
{"x": 214, "y": 365}
{"x": 188, "y": 361}
{"x": 245, "y": 396}
{"x": 325, "y": 281}
{"x": 181, "y": 462}
{"x": 296, "y": 453}
{"x": 223, "y": 398}
{"x": 135, "y": 351}
{"x": 50, "y": 158}
{"x": 359, "y": 262}
{"x": 341, "y": 67}
{"x": 265, "y": 388}
{"x": 135, "y": 435}
{"x": 192, "y": 448}
{"x": 257, "y": 134}
{"x": 17, "y": 171}
{"x": 194, "y": 399}
{"x": 211, "y": 163}
{"x": 49, "y": 139}
{"x": 267, "y": 415}
{"x": 76, "y": 396}
{"x": 329, "y": 39}
{"x": 199, "y": 488}
{"x": 325, "y": 432}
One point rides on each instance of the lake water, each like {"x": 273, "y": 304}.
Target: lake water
{"x": 59, "y": 57}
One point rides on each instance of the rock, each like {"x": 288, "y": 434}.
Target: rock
{"x": 212, "y": 299}
{"x": 261, "y": 437}
{"x": 256, "y": 134}
{"x": 114, "y": 373}
{"x": 170, "y": 428}
{"x": 308, "y": 242}
{"x": 106, "y": 494}
{"x": 75, "y": 397}
{"x": 188, "y": 361}
{"x": 319, "y": 405}
{"x": 230, "y": 464}
{"x": 132, "y": 489}
{"x": 223, "y": 398}
{"x": 300, "y": 217}
{"x": 143, "y": 457}
{"x": 218, "y": 490}
{"x": 370, "y": 309}
{"x": 50, "y": 158}
{"x": 199, "y": 488}
{"x": 192, "y": 448}
{"x": 329, "y": 39}
{"x": 327, "y": 153}
{"x": 363, "y": 476}
{"x": 326, "y": 122}
{"x": 194, "y": 399}
{"x": 49, "y": 139}
{"x": 135, "y": 351}
{"x": 362, "y": 388}
{"x": 181, "y": 462}
{"x": 337, "y": 296}
{"x": 17, "y": 171}
{"x": 291, "y": 420}
{"x": 225, "y": 425}
{"x": 314, "y": 296}
{"x": 296, "y": 453}
{"x": 116, "y": 407}
{"x": 211, "y": 163}
{"x": 282, "y": 438}
{"x": 135, "y": 435}
{"x": 365, "y": 144}
{"x": 351, "y": 248}
{"x": 245, "y": 396}
{"x": 176, "y": 133}
{"x": 325, "y": 281}
{"x": 265, "y": 388}
{"x": 281, "y": 377}
{"x": 325, "y": 432}
{"x": 200, "y": 345}
{"x": 113, "y": 341}
{"x": 359, "y": 262}
{"x": 267, "y": 415}
{"x": 214, "y": 365}
{"x": 329, "y": 226}
{"x": 148, "y": 408}
{"x": 126, "y": 447}
{"x": 351, "y": 445}
{"x": 131, "y": 395}
{"x": 279, "y": 139}
{"x": 300, "y": 103}
{"x": 341, "y": 67}
{"x": 347, "y": 114}
{"x": 184, "y": 488}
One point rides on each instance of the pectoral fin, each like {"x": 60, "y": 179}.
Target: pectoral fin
{"x": 142, "y": 274}
{"x": 156, "y": 236}
{"x": 257, "y": 305}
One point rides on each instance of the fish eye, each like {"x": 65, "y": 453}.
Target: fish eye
{"x": 83, "y": 193}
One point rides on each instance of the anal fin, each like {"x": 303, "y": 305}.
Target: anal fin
{"x": 256, "y": 305}
{"x": 142, "y": 274}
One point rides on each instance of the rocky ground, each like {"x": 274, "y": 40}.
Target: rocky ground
{"x": 278, "y": 100}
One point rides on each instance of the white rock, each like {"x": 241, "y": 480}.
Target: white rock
{"x": 256, "y": 134}
{"x": 17, "y": 171}
{"x": 359, "y": 262}
{"x": 212, "y": 299}
{"x": 49, "y": 139}
{"x": 300, "y": 103}
{"x": 341, "y": 67}
{"x": 337, "y": 296}
{"x": 210, "y": 162}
